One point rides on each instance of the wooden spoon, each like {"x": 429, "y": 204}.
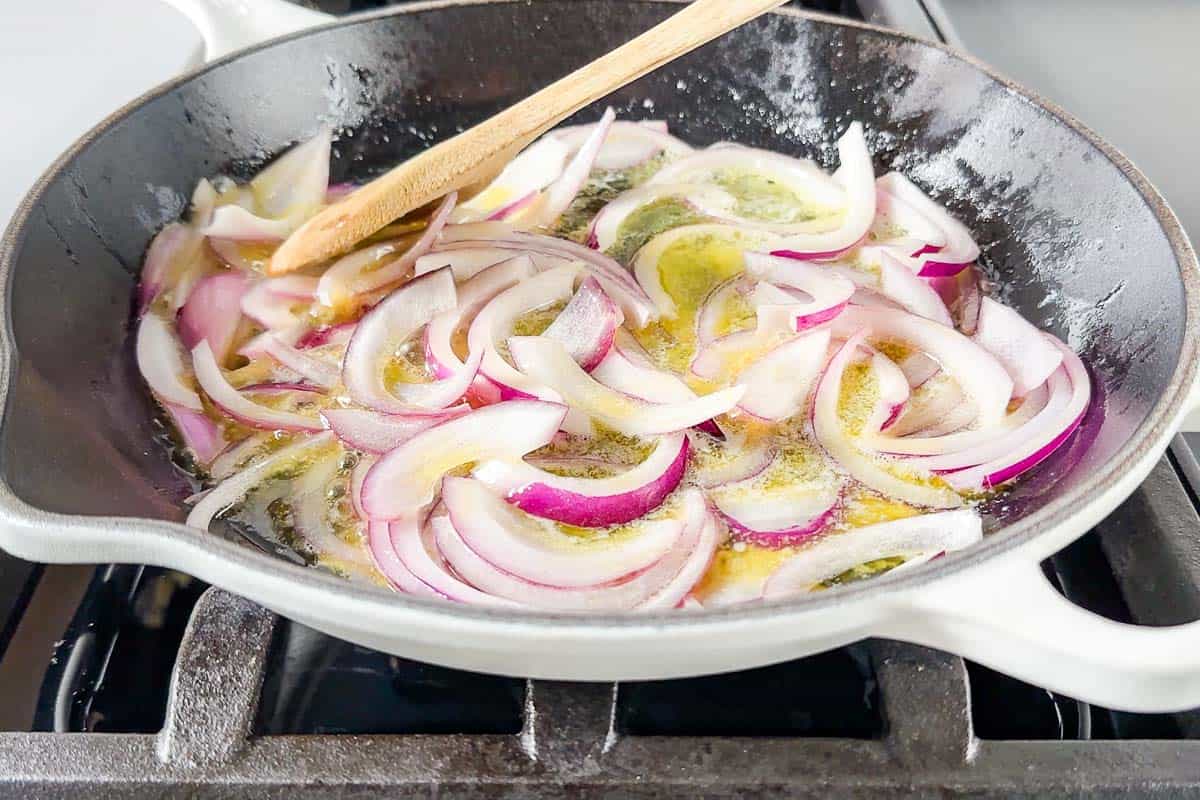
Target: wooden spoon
{"x": 480, "y": 151}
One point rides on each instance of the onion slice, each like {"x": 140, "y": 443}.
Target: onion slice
{"x": 910, "y": 538}
{"x": 548, "y": 362}
{"x": 628, "y": 370}
{"x": 408, "y": 476}
{"x": 231, "y": 491}
{"x": 496, "y": 320}
{"x": 362, "y": 272}
{"x": 588, "y": 325}
{"x": 898, "y": 283}
{"x": 219, "y": 390}
{"x": 535, "y": 168}
{"x": 270, "y": 302}
{"x": 628, "y": 144}
{"x": 377, "y": 337}
{"x": 199, "y": 433}
{"x": 857, "y": 177}
{"x": 309, "y": 367}
{"x": 605, "y": 229}
{"x": 675, "y": 573}
{"x": 387, "y": 561}
{"x": 779, "y": 512}
{"x": 1029, "y": 445}
{"x": 472, "y": 296}
{"x": 959, "y": 249}
{"x": 413, "y": 543}
{"x": 559, "y": 195}
{"x": 1026, "y": 353}
{"x": 536, "y": 551}
{"x": 828, "y": 292}
{"x": 591, "y": 502}
{"x": 372, "y": 432}
{"x": 160, "y": 361}
{"x": 827, "y": 426}
{"x": 213, "y": 312}
{"x": 778, "y": 384}
{"x": 981, "y": 376}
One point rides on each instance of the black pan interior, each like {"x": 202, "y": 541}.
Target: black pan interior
{"x": 1067, "y": 238}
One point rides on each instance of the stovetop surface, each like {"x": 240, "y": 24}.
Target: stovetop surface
{"x": 205, "y": 693}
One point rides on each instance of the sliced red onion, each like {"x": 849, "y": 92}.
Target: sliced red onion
{"x": 857, "y": 177}
{"x": 700, "y": 555}
{"x": 1025, "y": 352}
{"x": 627, "y": 145}
{"x": 525, "y": 547}
{"x": 713, "y": 310}
{"x": 827, "y": 427}
{"x": 385, "y": 327}
{"x": 981, "y": 376}
{"x": 309, "y": 500}
{"x": 236, "y": 224}
{"x": 330, "y": 335}
{"x": 515, "y": 208}
{"x": 919, "y": 235}
{"x": 256, "y": 347}
{"x": 779, "y": 513}
{"x": 229, "y": 400}
{"x": 918, "y": 368}
{"x": 660, "y": 580}
{"x": 535, "y": 168}
{"x": 939, "y": 408}
{"x": 737, "y": 458}
{"x": 233, "y": 490}
{"x": 199, "y": 433}
{"x": 408, "y": 476}
{"x": 828, "y": 292}
{"x": 234, "y": 457}
{"x": 160, "y": 361}
{"x": 414, "y": 545}
{"x": 370, "y": 269}
{"x": 559, "y": 195}
{"x": 893, "y": 393}
{"x": 1033, "y": 442}
{"x": 959, "y": 249}
{"x": 274, "y": 388}
{"x": 465, "y": 264}
{"x": 358, "y": 475}
{"x": 613, "y": 277}
{"x": 213, "y": 312}
{"x": 912, "y": 537}
{"x": 548, "y": 362}
{"x": 963, "y": 296}
{"x": 964, "y": 447}
{"x": 372, "y": 432}
{"x": 339, "y": 191}
{"x": 898, "y": 283}
{"x": 778, "y": 383}
{"x": 591, "y": 502}
{"x": 167, "y": 248}
{"x": 472, "y": 296}
{"x": 778, "y": 315}
{"x": 270, "y": 302}
{"x": 588, "y": 324}
{"x": 387, "y": 561}
{"x": 630, "y": 371}
{"x": 605, "y": 229}
{"x": 495, "y": 321}
{"x": 314, "y": 370}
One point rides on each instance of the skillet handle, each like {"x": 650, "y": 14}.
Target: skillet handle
{"x": 228, "y": 25}
{"x": 1008, "y": 616}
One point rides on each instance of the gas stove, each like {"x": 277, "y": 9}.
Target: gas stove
{"x": 130, "y": 681}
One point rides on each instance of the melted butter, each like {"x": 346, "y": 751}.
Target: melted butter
{"x": 864, "y": 507}
{"x": 689, "y": 270}
{"x": 860, "y": 390}
{"x": 741, "y": 563}
{"x": 649, "y": 221}
{"x": 408, "y": 365}
{"x": 896, "y": 351}
{"x": 257, "y": 254}
{"x": 762, "y": 198}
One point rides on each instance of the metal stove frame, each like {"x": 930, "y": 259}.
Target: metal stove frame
{"x": 570, "y": 745}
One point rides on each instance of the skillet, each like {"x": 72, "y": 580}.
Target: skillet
{"x": 1074, "y": 237}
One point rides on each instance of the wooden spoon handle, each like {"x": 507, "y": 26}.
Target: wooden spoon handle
{"x": 478, "y": 151}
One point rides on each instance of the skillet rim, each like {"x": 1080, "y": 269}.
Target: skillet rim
{"x": 1159, "y": 424}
